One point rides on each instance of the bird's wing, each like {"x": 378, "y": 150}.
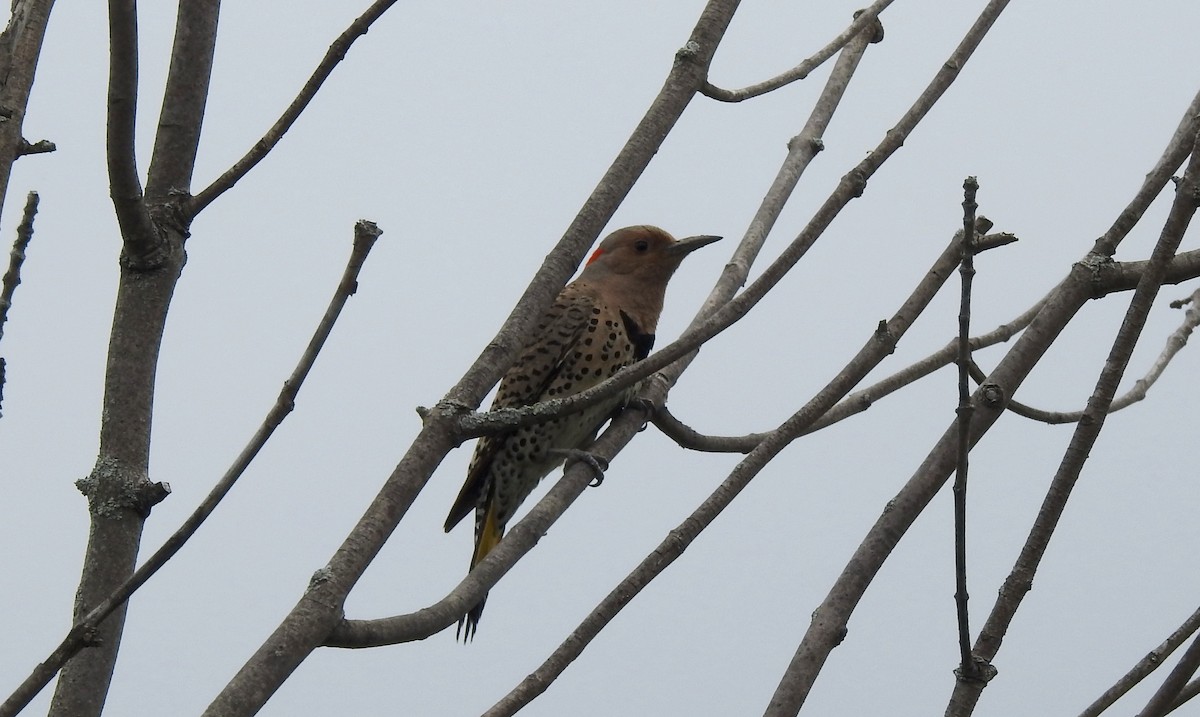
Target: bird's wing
{"x": 525, "y": 383}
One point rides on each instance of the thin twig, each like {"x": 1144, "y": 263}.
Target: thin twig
{"x": 687, "y": 437}
{"x": 12, "y": 276}
{"x": 334, "y": 55}
{"x": 862, "y": 19}
{"x": 1144, "y": 667}
{"x": 1176, "y": 341}
{"x": 365, "y": 234}
{"x": 860, "y": 401}
{"x": 967, "y": 669}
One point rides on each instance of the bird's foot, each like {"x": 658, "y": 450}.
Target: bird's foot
{"x": 644, "y": 405}
{"x": 598, "y": 464}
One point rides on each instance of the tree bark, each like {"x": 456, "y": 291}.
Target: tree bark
{"x": 119, "y": 490}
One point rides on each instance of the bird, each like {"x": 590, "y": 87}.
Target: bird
{"x": 599, "y": 323}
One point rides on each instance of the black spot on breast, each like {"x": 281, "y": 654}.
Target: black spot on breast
{"x": 642, "y": 342}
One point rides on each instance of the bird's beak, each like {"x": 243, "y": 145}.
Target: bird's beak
{"x": 687, "y": 245}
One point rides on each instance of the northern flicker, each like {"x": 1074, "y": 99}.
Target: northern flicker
{"x": 601, "y": 322}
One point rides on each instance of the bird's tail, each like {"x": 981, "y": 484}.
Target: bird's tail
{"x": 488, "y": 532}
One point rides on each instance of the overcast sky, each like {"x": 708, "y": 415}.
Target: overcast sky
{"x": 471, "y": 132}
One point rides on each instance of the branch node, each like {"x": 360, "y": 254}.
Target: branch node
{"x": 980, "y": 672}
{"x": 41, "y": 146}
{"x": 149, "y": 495}
{"x": 992, "y": 395}
{"x": 875, "y": 26}
{"x": 688, "y": 51}
{"x": 319, "y": 578}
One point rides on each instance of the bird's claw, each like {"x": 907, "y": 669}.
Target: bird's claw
{"x": 598, "y": 464}
{"x": 644, "y": 405}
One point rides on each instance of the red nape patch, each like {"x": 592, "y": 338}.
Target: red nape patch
{"x": 595, "y": 255}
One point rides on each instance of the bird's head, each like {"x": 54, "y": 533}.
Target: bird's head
{"x": 647, "y": 255}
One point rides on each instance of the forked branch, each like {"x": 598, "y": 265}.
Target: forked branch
{"x": 365, "y": 234}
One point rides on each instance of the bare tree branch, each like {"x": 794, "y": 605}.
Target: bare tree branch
{"x": 1019, "y": 581}
{"x": 334, "y": 55}
{"x": 119, "y": 490}
{"x": 1187, "y": 693}
{"x": 518, "y": 540}
{"x": 1144, "y": 667}
{"x": 178, "y": 137}
{"x": 687, "y": 437}
{"x": 16, "y": 258}
{"x": 862, "y": 19}
{"x": 20, "y": 48}
{"x": 967, "y": 669}
{"x": 1163, "y": 701}
{"x": 1117, "y": 276}
{"x": 691, "y": 439}
{"x": 12, "y": 277}
{"x": 79, "y": 637}
{"x": 1114, "y": 277}
{"x": 142, "y": 245}
{"x": 1176, "y": 341}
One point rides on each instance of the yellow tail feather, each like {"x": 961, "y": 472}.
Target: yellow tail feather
{"x": 487, "y": 536}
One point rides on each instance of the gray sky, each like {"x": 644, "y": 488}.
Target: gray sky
{"x": 471, "y": 133}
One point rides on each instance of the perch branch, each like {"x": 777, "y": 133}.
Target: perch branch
{"x": 518, "y": 540}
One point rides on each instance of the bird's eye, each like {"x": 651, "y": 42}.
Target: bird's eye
{"x": 641, "y": 246}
